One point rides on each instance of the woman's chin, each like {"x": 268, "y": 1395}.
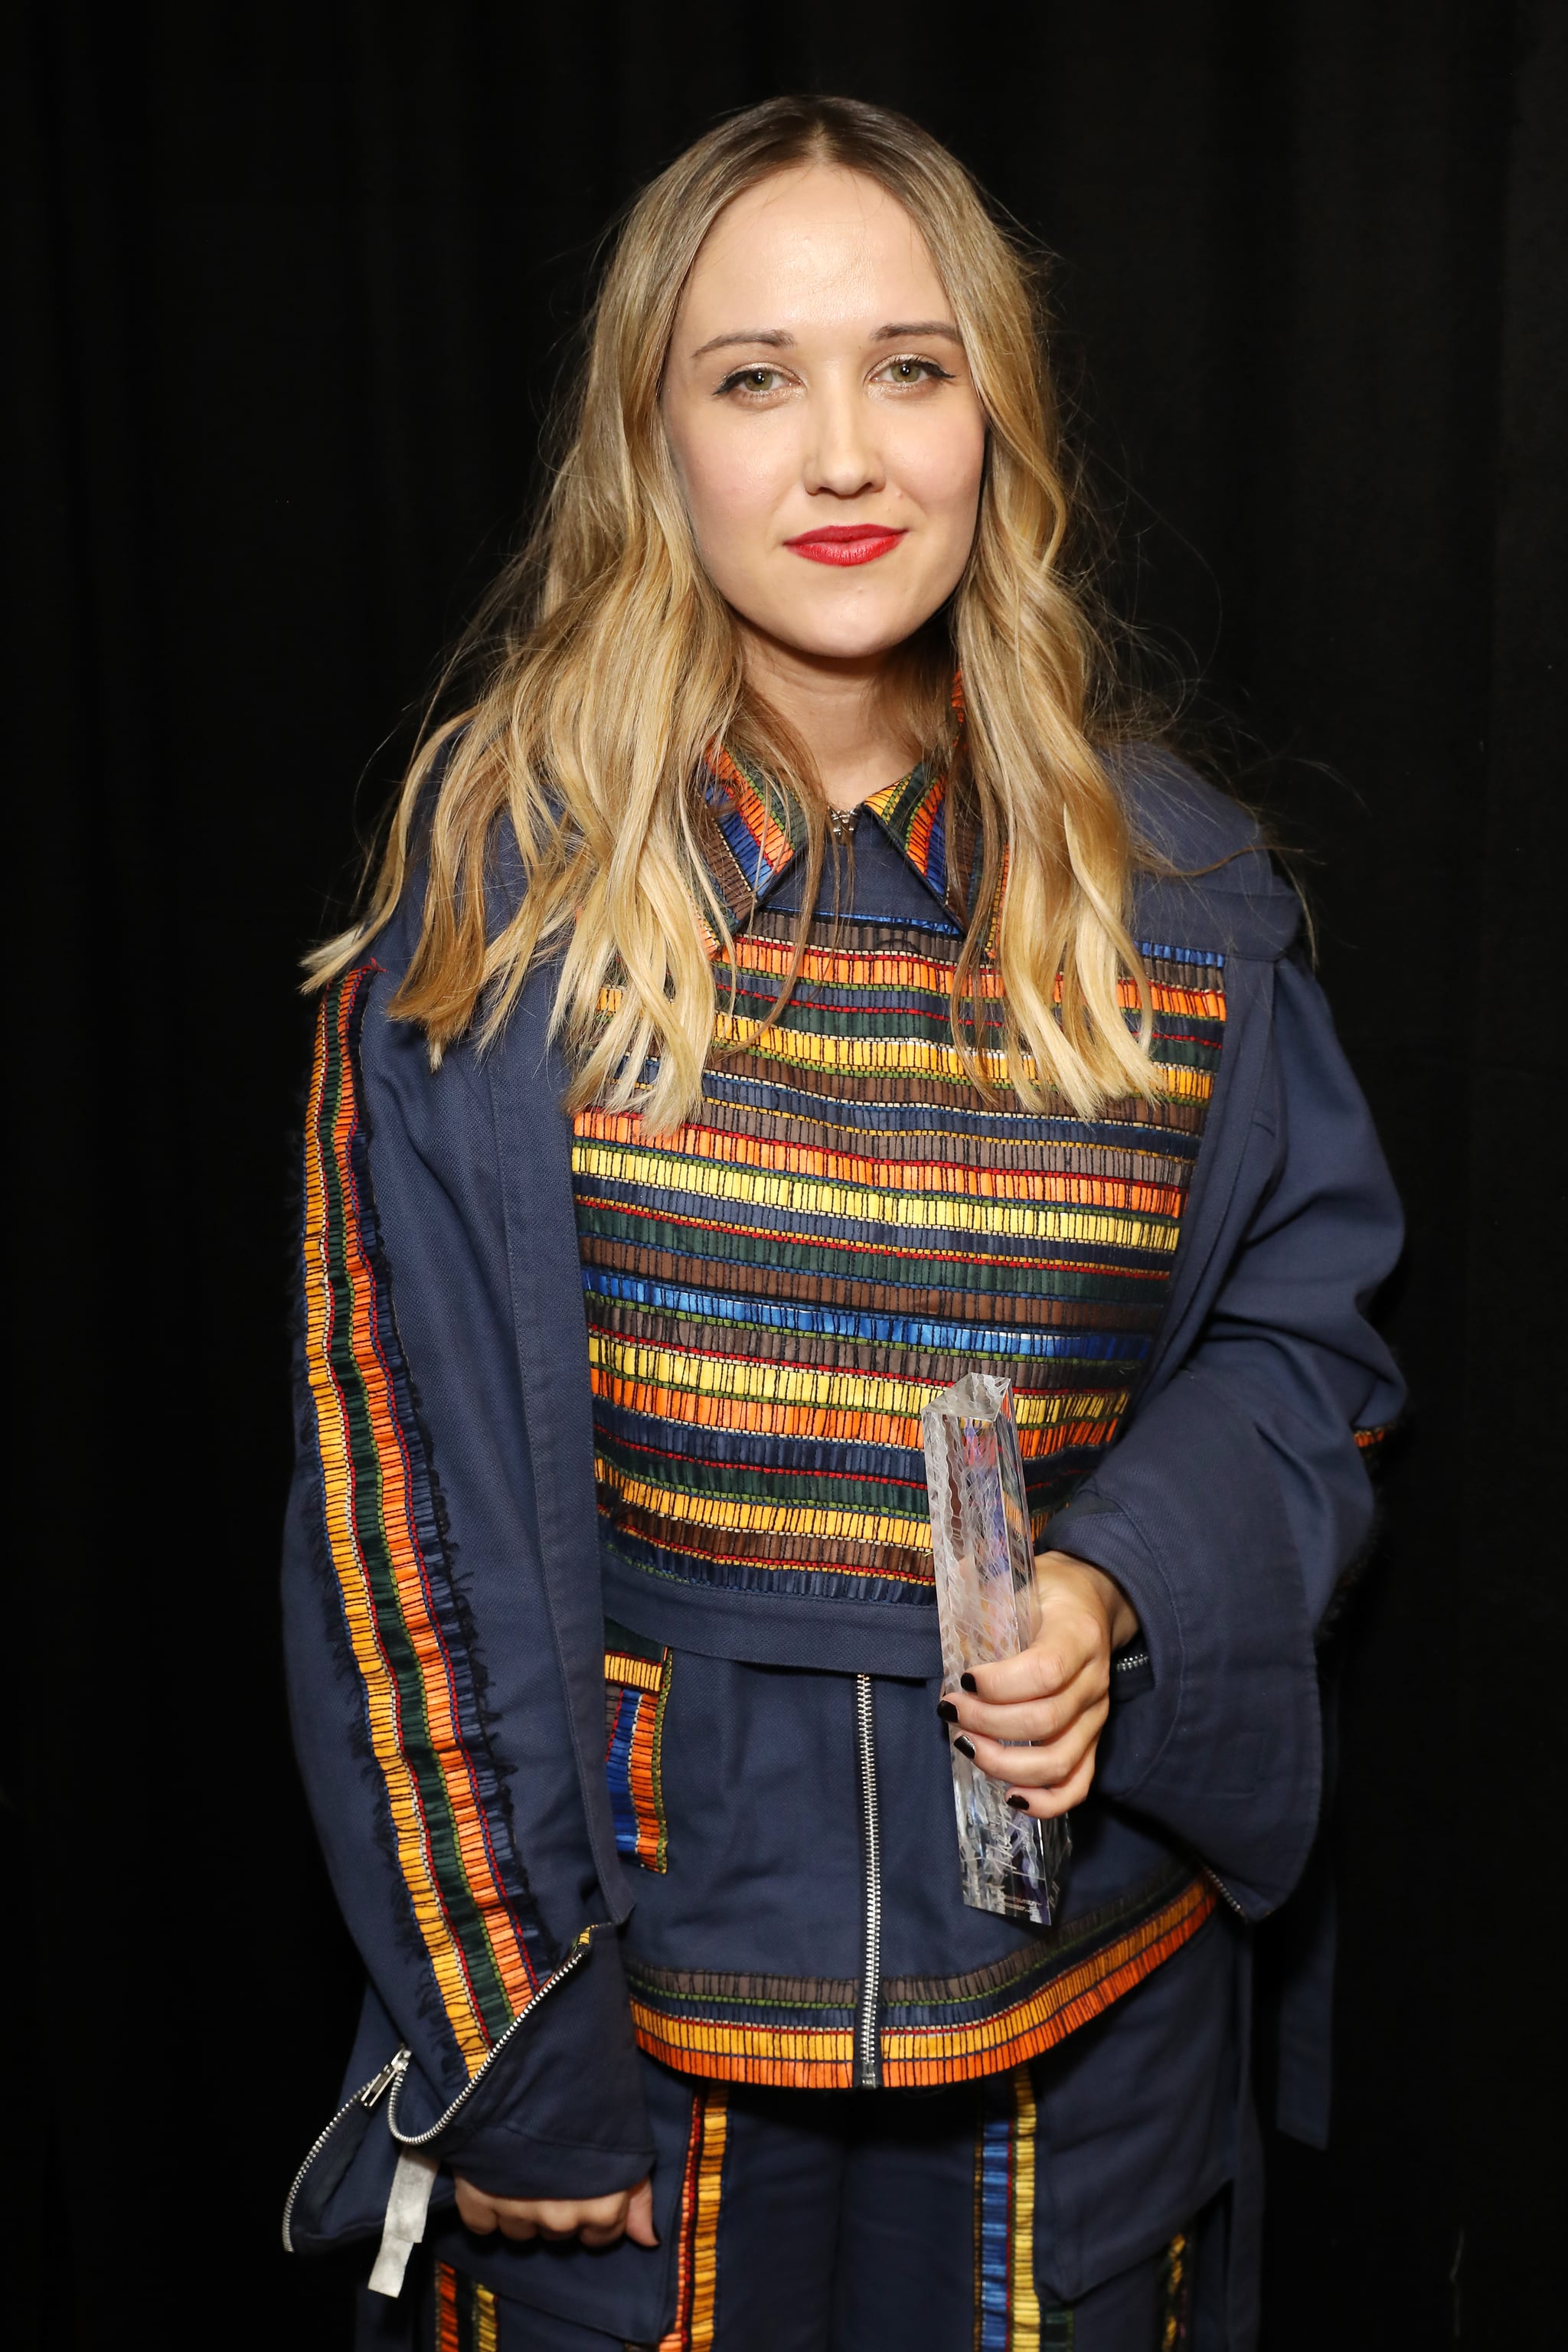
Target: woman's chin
{"x": 844, "y": 636}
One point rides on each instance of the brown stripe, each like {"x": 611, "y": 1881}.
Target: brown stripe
{"x": 714, "y": 1984}
{"x": 744, "y": 1279}
{"x": 997, "y": 1148}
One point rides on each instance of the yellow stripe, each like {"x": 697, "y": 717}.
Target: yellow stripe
{"x": 769, "y": 1518}
{"x": 639, "y": 1362}
{"x": 1023, "y": 2303}
{"x": 915, "y": 1057}
{"x": 674, "y": 1172}
{"x": 487, "y": 2331}
{"x": 705, "y": 2250}
{"x": 636, "y": 1674}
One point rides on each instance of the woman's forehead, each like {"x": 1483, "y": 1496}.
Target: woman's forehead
{"x": 818, "y": 244}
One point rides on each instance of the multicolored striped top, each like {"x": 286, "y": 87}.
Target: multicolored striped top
{"x": 846, "y": 1225}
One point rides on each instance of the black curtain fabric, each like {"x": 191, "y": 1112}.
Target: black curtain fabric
{"x": 291, "y": 287}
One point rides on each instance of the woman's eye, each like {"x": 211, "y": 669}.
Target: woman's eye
{"x": 752, "y": 380}
{"x": 913, "y": 371}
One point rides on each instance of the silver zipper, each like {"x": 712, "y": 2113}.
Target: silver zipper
{"x": 1223, "y": 1891}
{"x": 1129, "y": 1665}
{"x": 365, "y": 2097}
{"x": 574, "y": 1959}
{"x": 866, "y": 2072}
{"x": 392, "y": 2073}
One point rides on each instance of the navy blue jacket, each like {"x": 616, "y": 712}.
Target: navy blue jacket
{"x": 445, "y": 1624}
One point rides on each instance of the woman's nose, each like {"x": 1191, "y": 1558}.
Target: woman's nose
{"x": 842, "y": 458}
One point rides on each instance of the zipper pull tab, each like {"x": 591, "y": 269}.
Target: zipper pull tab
{"x": 389, "y": 2073}
{"x": 404, "y": 2227}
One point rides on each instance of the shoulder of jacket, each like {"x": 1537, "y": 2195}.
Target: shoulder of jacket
{"x": 1204, "y": 876}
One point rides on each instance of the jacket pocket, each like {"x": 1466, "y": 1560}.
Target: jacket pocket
{"x": 636, "y": 1686}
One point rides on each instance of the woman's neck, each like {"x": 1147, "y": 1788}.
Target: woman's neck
{"x": 841, "y": 711}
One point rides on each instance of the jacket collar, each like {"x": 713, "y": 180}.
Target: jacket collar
{"x": 752, "y": 833}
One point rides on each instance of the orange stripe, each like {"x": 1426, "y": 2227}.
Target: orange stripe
{"x": 446, "y": 2308}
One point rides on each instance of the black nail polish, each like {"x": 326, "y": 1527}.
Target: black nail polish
{"x": 968, "y": 1682}
{"x": 946, "y": 1709}
{"x": 1019, "y": 1804}
{"x": 964, "y": 1746}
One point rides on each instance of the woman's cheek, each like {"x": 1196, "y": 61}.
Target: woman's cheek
{"x": 731, "y": 503}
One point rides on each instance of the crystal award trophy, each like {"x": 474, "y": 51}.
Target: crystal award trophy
{"x": 986, "y": 1605}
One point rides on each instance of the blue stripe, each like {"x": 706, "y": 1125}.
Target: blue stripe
{"x": 993, "y": 2286}
{"x": 889, "y": 1330}
{"x": 618, "y": 1773}
{"x": 1163, "y": 954}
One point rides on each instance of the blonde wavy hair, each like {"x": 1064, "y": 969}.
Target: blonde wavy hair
{"x": 613, "y": 665}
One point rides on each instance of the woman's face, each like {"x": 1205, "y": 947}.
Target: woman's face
{"x": 824, "y": 425}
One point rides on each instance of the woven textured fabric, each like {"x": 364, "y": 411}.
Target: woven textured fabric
{"x": 848, "y": 1224}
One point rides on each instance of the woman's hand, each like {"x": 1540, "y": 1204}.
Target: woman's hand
{"x": 597, "y": 2221}
{"x": 1055, "y": 1693}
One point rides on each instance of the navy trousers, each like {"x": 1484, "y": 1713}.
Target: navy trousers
{"x": 901, "y": 2222}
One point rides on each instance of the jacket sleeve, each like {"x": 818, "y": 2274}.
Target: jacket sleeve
{"x": 1238, "y": 1496}
{"x": 425, "y": 1680}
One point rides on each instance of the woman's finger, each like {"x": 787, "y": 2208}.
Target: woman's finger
{"x": 639, "y": 2215}
{"x": 475, "y": 2211}
{"x": 1070, "y": 1641}
{"x": 1046, "y": 1767}
{"x": 1047, "y": 1803}
{"x": 1040, "y": 1719}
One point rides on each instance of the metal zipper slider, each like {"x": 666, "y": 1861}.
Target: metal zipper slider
{"x": 389, "y": 2073}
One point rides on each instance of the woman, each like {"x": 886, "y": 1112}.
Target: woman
{"x": 794, "y": 959}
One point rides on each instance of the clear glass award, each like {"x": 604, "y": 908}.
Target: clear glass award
{"x": 985, "y": 1557}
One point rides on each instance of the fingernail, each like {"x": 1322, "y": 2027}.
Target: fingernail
{"x": 946, "y": 1709}
{"x": 1019, "y": 1804}
{"x": 964, "y": 1746}
{"x": 968, "y": 1682}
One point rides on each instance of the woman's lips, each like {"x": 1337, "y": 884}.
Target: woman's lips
{"x": 845, "y": 542}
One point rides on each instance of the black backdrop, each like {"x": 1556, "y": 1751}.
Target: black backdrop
{"x": 293, "y": 284}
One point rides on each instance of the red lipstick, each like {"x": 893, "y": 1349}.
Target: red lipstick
{"x": 845, "y": 542}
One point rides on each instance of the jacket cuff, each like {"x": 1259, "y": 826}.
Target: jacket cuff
{"x": 560, "y": 2113}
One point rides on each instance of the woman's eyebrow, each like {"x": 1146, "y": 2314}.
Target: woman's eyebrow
{"x": 773, "y": 337}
